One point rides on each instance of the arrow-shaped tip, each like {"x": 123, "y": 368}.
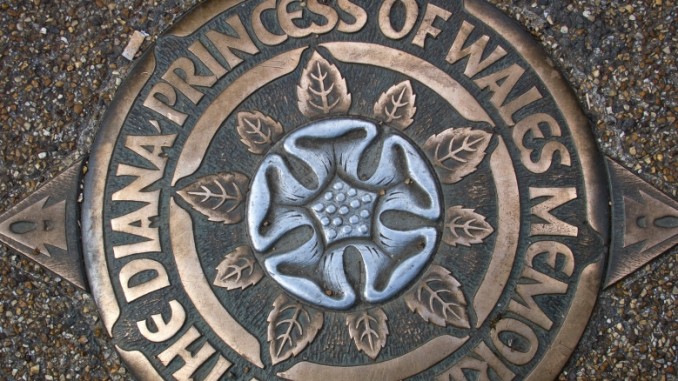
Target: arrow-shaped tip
{"x": 646, "y": 223}
{"x": 42, "y": 221}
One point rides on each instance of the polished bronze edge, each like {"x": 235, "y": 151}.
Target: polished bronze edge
{"x": 396, "y": 369}
{"x": 140, "y": 367}
{"x": 645, "y": 223}
{"x": 504, "y": 254}
{"x": 592, "y": 166}
{"x": 95, "y": 184}
{"x": 196, "y": 17}
{"x": 573, "y": 327}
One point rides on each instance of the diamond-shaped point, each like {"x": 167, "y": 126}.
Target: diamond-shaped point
{"x": 344, "y": 211}
{"x": 646, "y": 223}
{"x": 43, "y": 227}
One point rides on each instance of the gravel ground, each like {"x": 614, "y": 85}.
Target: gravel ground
{"x": 60, "y": 63}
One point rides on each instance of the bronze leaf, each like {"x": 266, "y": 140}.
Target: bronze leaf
{"x": 322, "y": 89}
{"x": 465, "y": 227}
{"x": 438, "y": 299}
{"x": 369, "y": 330}
{"x": 218, "y": 197}
{"x": 238, "y": 270}
{"x": 457, "y": 152}
{"x": 258, "y": 132}
{"x": 291, "y": 328}
{"x": 396, "y": 107}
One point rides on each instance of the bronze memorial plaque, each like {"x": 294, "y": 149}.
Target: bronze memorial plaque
{"x": 342, "y": 190}
{"x": 345, "y": 190}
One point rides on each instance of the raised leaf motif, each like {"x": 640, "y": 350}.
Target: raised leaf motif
{"x": 369, "y": 330}
{"x": 291, "y": 328}
{"x": 465, "y": 227}
{"x": 438, "y": 299}
{"x": 322, "y": 89}
{"x": 238, "y": 270}
{"x": 218, "y": 197}
{"x": 257, "y": 131}
{"x": 457, "y": 152}
{"x": 396, "y": 107}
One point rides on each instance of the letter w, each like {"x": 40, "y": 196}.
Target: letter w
{"x": 475, "y": 51}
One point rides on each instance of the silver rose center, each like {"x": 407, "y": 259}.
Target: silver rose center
{"x": 344, "y": 211}
{"x": 341, "y": 192}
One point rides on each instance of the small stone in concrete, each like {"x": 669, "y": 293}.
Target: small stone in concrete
{"x": 134, "y": 44}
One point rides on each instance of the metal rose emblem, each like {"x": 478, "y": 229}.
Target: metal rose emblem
{"x": 343, "y": 212}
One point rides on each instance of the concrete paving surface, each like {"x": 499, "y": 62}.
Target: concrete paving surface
{"x": 61, "y": 62}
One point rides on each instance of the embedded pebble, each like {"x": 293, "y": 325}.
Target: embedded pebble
{"x": 134, "y": 45}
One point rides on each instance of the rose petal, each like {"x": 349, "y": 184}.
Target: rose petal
{"x": 324, "y": 162}
{"x": 388, "y": 173}
{"x": 281, "y": 221}
{"x": 402, "y": 199}
{"x": 285, "y": 188}
{"x": 398, "y": 243}
{"x": 379, "y": 265}
{"x": 310, "y": 257}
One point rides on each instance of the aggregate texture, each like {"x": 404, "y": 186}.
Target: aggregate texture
{"x": 61, "y": 62}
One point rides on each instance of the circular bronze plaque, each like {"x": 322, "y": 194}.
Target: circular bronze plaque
{"x": 342, "y": 190}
